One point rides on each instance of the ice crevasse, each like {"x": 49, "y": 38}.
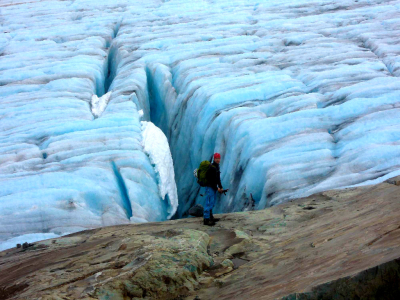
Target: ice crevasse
{"x": 298, "y": 97}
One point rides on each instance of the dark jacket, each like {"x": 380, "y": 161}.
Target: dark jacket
{"x": 213, "y": 176}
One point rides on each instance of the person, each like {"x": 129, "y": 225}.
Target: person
{"x": 213, "y": 186}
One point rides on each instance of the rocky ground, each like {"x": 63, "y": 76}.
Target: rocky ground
{"x": 342, "y": 244}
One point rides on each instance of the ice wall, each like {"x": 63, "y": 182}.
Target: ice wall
{"x": 297, "y": 96}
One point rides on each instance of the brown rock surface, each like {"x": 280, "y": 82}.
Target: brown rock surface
{"x": 342, "y": 244}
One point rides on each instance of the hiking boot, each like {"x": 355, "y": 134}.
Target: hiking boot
{"x": 212, "y": 218}
{"x": 208, "y": 222}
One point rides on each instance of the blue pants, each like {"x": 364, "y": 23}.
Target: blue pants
{"x": 211, "y": 196}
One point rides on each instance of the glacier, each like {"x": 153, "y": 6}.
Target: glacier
{"x": 297, "y": 96}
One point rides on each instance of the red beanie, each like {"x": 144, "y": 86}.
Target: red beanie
{"x": 217, "y": 155}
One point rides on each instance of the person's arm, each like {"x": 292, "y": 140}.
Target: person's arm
{"x": 219, "y": 182}
{"x": 219, "y": 185}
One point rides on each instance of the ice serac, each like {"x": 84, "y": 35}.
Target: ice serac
{"x": 298, "y": 97}
{"x": 155, "y": 144}
{"x": 98, "y": 105}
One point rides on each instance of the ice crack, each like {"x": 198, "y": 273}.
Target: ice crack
{"x": 123, "y": 189}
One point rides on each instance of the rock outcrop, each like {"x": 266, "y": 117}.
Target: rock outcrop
{"x": 341, "y": 244}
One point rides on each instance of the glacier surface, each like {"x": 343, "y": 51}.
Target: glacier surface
{"x": 298, "y": 97}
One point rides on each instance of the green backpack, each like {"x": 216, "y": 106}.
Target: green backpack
{"x": 201, "y": 173}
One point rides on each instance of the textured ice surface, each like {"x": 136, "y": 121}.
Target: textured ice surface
{"x": 298, "y": 97}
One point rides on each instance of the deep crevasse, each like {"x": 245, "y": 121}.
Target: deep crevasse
{"x": 298, "y": 97}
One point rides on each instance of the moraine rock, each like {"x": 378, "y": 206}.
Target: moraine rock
{"x": 346, "y": 247}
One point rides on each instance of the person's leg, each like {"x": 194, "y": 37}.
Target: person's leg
{"x": 210, "y": 201}
{"x": 213, "y": 199}
{"x": 207, "y": 206}
{"x": 212, "y": 217}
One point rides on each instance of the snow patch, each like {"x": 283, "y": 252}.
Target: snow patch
{"x": 99, "y": 104}
{"x": 156, "y": 146}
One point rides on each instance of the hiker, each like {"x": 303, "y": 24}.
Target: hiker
{"x": 213, "y": 186}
